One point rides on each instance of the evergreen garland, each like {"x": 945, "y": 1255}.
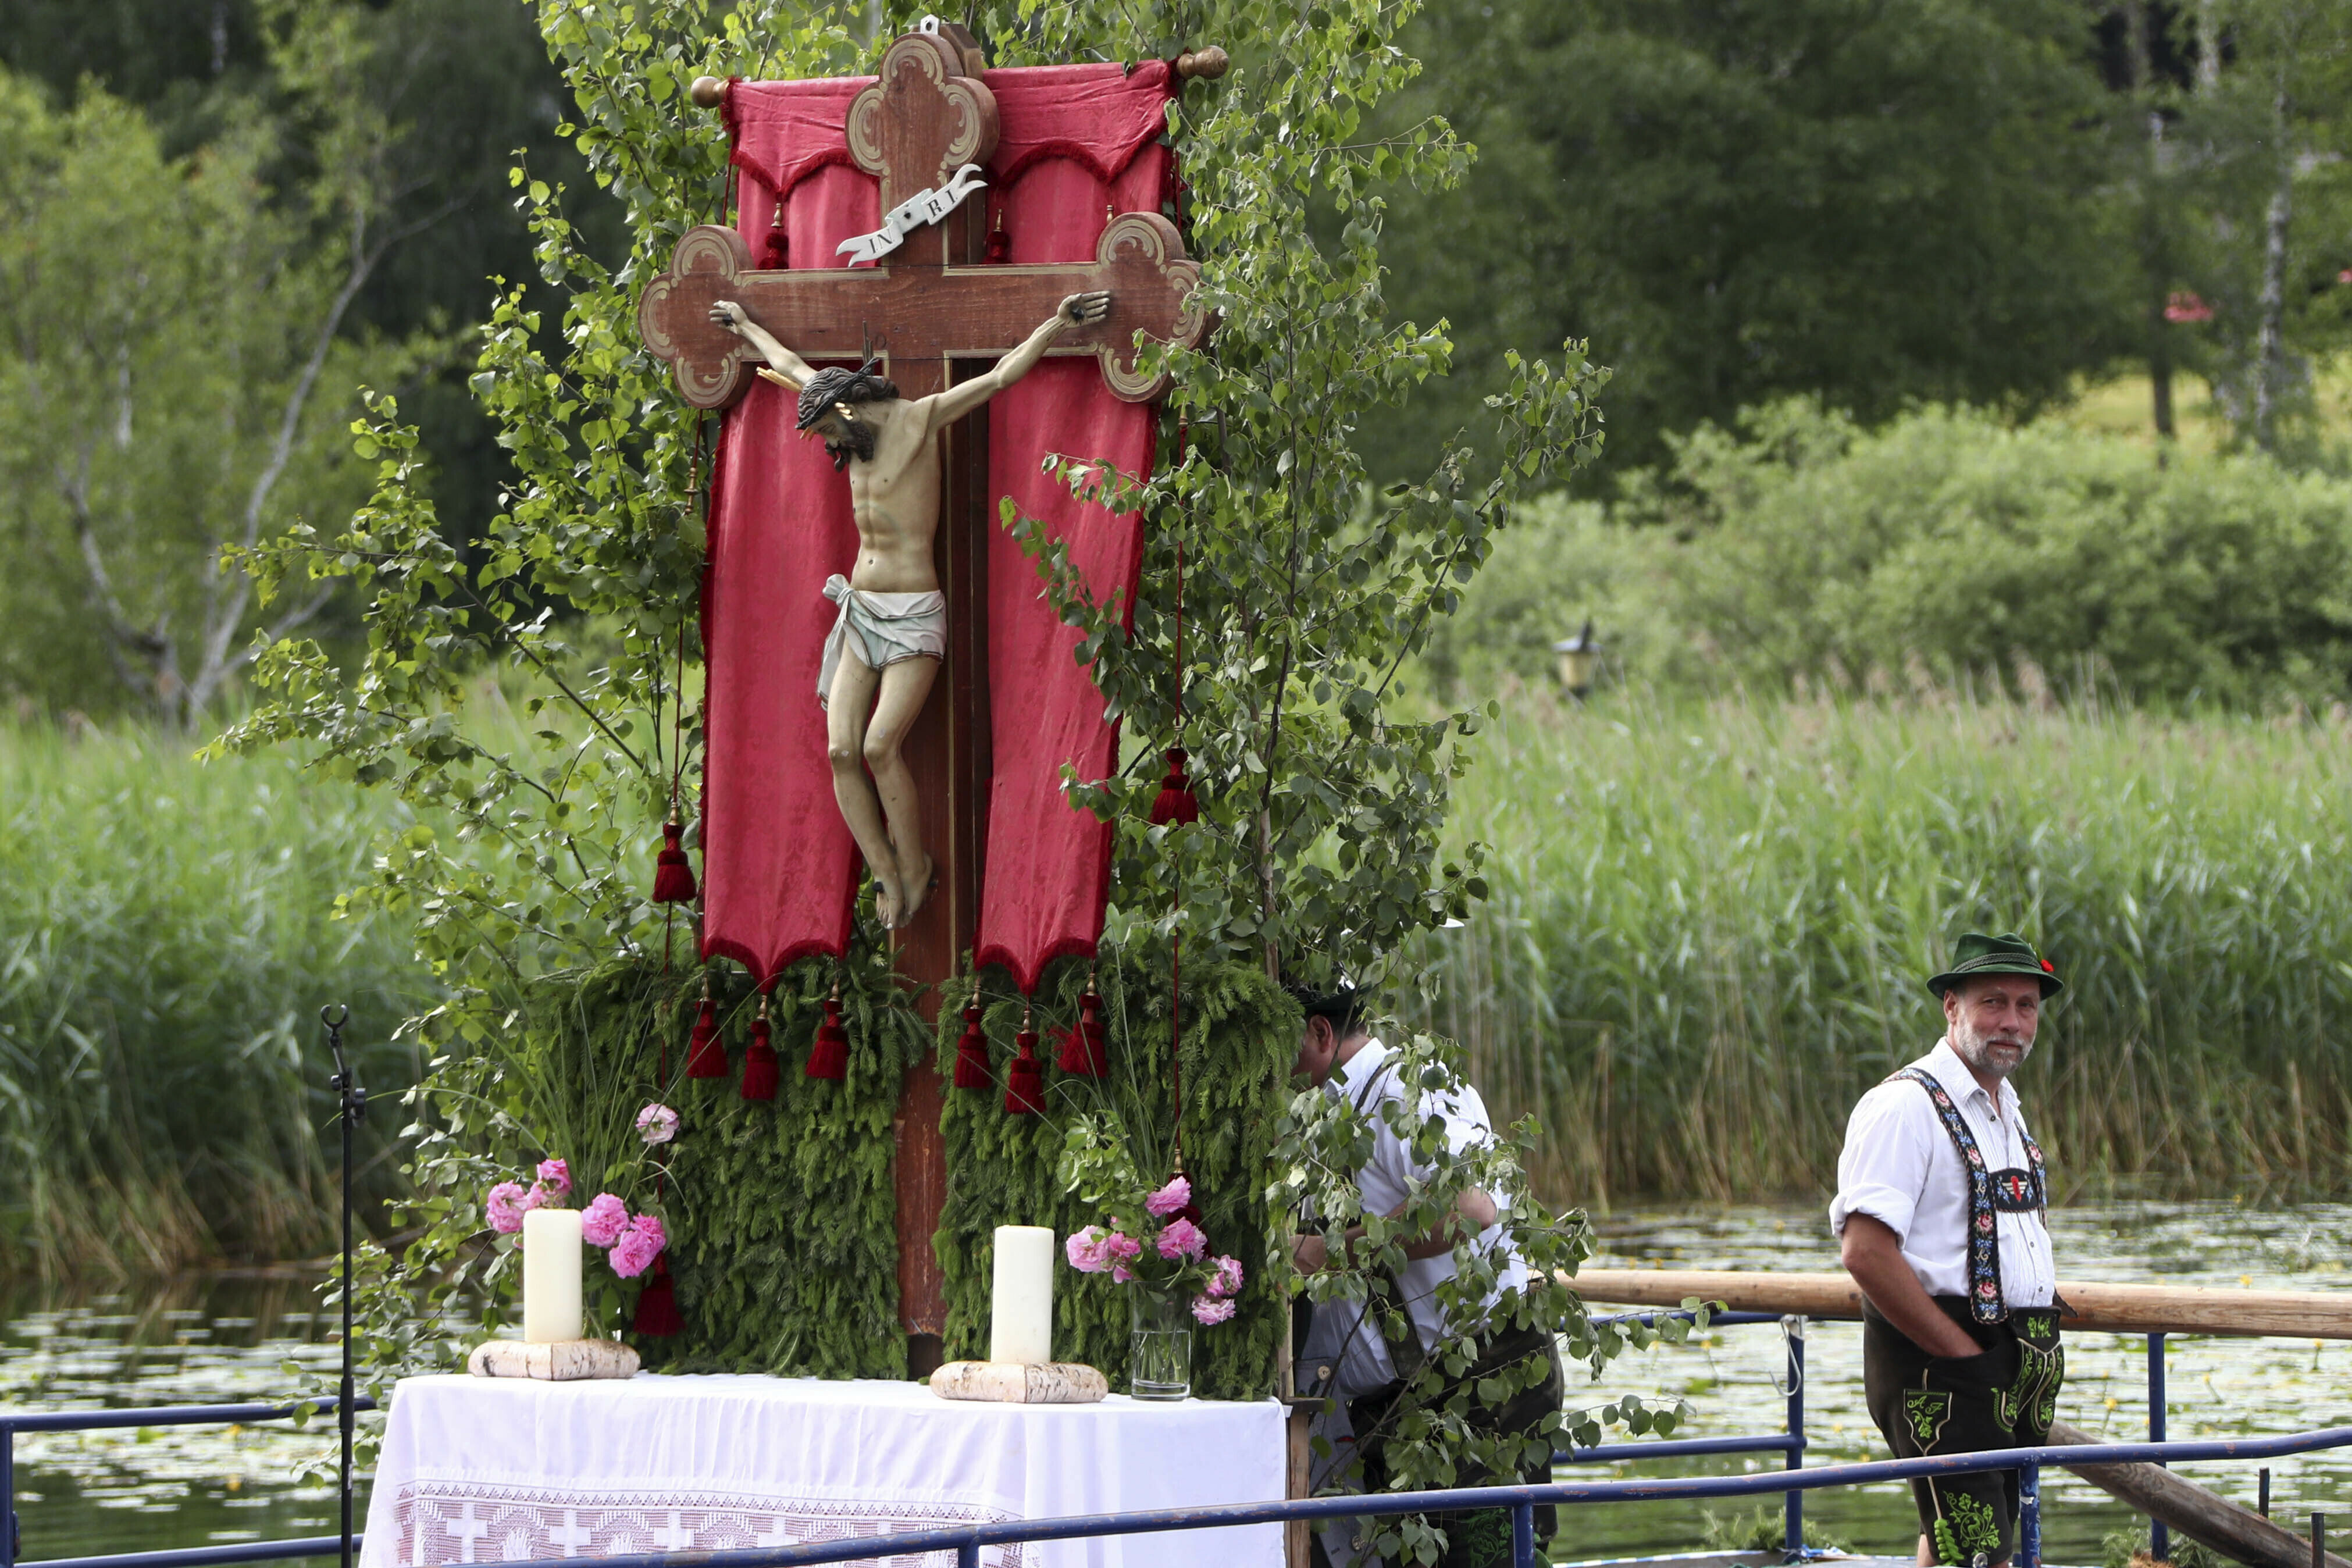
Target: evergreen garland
{"x": 1240, "y": 1036}
{"x": 782, "y": 1214}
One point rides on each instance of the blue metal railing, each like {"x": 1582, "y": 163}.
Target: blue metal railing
{"x": 967, "y": 1541}
{"x": 1793, "y": 1440}
{"x": 11, "y": 1537}
{"x": 1789, "y": 1442}
{"x": 1793, "y": 1482}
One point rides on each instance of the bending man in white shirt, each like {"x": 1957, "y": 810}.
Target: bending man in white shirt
{"x": 1940, "y": 1215}
{"x": 1346, "y": 1356}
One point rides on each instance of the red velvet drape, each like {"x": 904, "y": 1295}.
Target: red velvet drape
{"x": 780, "y": 867}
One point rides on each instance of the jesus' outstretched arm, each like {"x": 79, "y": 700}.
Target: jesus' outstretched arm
{"x": 783, "y": 365}
{"x": 1077, "y": 310}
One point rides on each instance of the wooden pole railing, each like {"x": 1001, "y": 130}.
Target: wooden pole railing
{"x": 2117, "y": 1308}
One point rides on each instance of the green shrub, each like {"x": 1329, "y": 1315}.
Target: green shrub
{"x": 167, "y": 936}
{"x": 1944, "y": 543}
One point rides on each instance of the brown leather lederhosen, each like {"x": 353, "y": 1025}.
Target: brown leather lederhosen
{"x": 2005, "y": 1396}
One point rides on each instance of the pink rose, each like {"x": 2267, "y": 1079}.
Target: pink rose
{"x": 1120, "y": 1275}
{"x": 505, "y": 1206}
{"x": 639, "y": 1245}
{"x": 1210, "y": 1310}
{"x": 1084, "y": 1249}
{"x": 555, "y": 1175}
{"x": 1182, "y": 1239}
{"x": 1228, "y": 1281}
{"x": 1118, "y": 1247}
{"x": 657, "y": 1123}
{"x": 1174, "y": 1198}
{"x": 604, "y": 1220}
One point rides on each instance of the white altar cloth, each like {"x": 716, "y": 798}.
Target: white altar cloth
{"x": 478, "y": 1469}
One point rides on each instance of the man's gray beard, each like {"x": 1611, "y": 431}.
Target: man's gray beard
{"x": 857, "y": 442}
{"x": 1970, "y": 1048}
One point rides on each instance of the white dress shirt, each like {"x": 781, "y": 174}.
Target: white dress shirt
{"x": 1340, "y": 1330}
{"x": 1899, "y": 1167}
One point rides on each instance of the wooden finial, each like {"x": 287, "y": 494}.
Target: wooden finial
{"x": 1207, "y": 64}
{"x": 708, "y": 92}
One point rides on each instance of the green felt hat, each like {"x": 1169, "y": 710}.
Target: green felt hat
{"x": 2008, "y": 954}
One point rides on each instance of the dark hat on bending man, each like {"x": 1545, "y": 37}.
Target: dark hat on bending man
{"x": 1340, "y": 1001}
{"x": 2008, "y": 954}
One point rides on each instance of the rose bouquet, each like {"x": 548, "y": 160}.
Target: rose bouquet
{"x": 1154, "y": 1241}
{"x": 630, "y": 1241}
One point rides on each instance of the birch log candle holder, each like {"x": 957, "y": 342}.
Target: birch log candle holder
{"x": 1020, "y": 1368}
{"x": 551, "y": 1349}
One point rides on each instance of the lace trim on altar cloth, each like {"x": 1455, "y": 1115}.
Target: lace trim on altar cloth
{"x": 444, "y": 1522}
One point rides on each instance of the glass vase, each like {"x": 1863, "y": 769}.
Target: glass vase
{"x": 1159, "y": 1357}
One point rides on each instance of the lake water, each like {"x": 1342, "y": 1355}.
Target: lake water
{"x": 231, "y": 1338}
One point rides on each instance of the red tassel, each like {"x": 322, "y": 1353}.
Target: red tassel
{"x": 761, "y": 1074}
{"x": 673, "y": 873}
{"x": 777, "y": 254}
{"x": 1024, "y": 1085}
{"x": 657, "y": 1316}
{"x": 1176, "y": 802}
{"x": 1000, "y": 249}
{"x": 705, "y": 1056}
{"x": 972, "y": 1052}
{"x": 829, "y": 1058}
{"x": 1084, "y": 1051}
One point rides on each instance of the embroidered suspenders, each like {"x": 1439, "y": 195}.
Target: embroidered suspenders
{"x": 1990, "y": 1192}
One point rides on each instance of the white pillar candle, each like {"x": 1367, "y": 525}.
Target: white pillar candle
{"x": 551, "y": 1276}
{"x": 1020, "y": 1317}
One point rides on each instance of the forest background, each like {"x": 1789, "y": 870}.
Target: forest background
{"x": 1968, "y": 547}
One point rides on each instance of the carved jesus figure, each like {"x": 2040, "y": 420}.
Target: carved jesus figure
{"x": 890, "y": 633}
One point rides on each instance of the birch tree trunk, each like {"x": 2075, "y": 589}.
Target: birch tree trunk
{"x": 2156, "y": 254}
{"x": 2270, "y": 358}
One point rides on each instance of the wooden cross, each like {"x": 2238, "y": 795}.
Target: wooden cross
{"x": 938, "y": 315}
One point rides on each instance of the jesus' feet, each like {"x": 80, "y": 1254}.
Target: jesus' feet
{"x": 887, "y": 898}
{"x": 915, "y": 881}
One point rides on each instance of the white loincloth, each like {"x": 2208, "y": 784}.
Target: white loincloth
{"x": 880, "y": 629}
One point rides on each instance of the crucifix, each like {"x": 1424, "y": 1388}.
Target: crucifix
{"x": 936, "y": 316}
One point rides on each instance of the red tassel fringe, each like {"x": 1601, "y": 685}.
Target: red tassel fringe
{"x": 657, "y": 1317}
{"x": 1176, "y": 802}
{"x": 1024, "y": 1085}
{"x": 829, "y": 1057}
{"x": 972, "y": 1052}
{"x": 673, "y": 873}
{"x": 1084, "y": 1050}
{"x": 705, "y": 1056}
{"x": 761, "y": 1075}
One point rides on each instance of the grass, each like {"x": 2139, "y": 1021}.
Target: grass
{"x": 1710, "y": 925}
{"x": 2124, "y": 406}
{"x": 166, "y": 940}
{"x": 1706, "y": 935}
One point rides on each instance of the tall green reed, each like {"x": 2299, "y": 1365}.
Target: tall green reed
{"x": 1710, "y": 924}
{"x": 167, "y": 935}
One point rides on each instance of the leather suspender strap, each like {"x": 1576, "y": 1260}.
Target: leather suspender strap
{"x": 1987, "y": 1304}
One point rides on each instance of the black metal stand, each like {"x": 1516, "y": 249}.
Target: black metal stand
{"x": 352, "y": 1108}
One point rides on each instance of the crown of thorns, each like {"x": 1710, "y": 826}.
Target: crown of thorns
{"x": 835, "y": 385}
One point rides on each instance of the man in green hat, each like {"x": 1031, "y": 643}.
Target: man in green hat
{"x": 1940, "y": 1219}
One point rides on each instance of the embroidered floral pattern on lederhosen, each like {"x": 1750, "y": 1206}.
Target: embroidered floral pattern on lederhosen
{"x": 1988, "y": 1192}
{"x": 2029, "y": 1402}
